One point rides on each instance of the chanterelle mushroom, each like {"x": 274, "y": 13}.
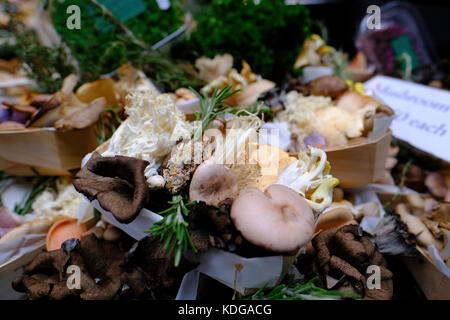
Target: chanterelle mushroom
{"x": 212, "y": 183}
{"x": 278, "y": 219}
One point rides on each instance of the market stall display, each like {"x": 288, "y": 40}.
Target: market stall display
{"x": 181, "y": 150}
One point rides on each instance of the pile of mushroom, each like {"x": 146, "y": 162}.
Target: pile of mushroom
{"x": 111, "y": 267}
{"x": 62, "y": 110}
{"x": 341, "y": 258}
{"x": 279, "y": 218}
{"x": 428, "y": 221}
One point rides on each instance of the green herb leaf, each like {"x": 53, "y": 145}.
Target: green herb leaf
{"x": 173, "y": 229}
{"x": 40, "y": 183}
{"x": 211, "y": 107}
{"x": 298, "y": 289}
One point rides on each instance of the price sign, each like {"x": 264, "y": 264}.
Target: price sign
{"x": 422, "y": 113}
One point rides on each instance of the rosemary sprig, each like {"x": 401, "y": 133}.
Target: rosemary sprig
{"x": 40, "y": 183}
{"x": 298, "y": 289}
{"x": 173, "y": 228}
{"x": 106, "y": 125}
{"x": 211, "y": 107}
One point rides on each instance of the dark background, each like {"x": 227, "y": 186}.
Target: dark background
{"x": 343, "y": 18}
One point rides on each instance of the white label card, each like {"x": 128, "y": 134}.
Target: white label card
{"x": 422, "y": 113}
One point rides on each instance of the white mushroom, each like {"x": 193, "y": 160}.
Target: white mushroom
{"x": 278, "y": 219}
{"x": 213, "y": 183}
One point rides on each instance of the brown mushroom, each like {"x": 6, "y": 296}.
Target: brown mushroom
{"x": 278, "y": 219}
{"x": 340, "y": 258}
{"x": 328, "y": 86}
{"x": 118, "y": 183}
{"x": 56, "y": 100}
{"x": 333, "y": 218}
{"x": 82, "y": 118}
{"x": 213, "y": 183}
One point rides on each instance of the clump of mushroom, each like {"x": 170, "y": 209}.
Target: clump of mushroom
{"x": 310, "y": 177}
{"x": 112, "y": 266}
{"x": 280, "y": 218}
{"x": 427, "y": 220}
{"x": 341, "y": 258}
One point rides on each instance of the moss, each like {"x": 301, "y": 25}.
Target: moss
{"x": 268, "y": 35}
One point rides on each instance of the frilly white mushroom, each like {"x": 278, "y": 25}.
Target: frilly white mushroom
{"x": 310, "y": 175}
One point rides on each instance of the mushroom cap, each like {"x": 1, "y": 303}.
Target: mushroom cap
{"x": 278, "y": 219}
{"x": 212, "y": 183}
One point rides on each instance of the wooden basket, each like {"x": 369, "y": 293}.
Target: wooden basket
{"x": 358, "y": 165}
{"x": 49, "y": 151}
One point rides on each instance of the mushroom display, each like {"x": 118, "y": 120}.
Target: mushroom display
{"x": 278, "y": 219}
{"x": 118, "y": 183}
{"x": 212, "y": 183}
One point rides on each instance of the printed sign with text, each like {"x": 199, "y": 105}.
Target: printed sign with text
{"x": 422, "y": 113}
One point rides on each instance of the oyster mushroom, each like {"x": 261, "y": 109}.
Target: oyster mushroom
{"x": 278, "y": 219}
{"x": 118, "y": 183}
{"x": 435, "y": 182}
{"x": 213, "y": 183}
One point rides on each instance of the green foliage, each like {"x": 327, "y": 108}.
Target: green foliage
{"x": 211, "y": 107}
{"x": 97, "y": 215}
{"x": 169, "y": 74}
{"x": 100, "y": 46}
{"x": 40, "y": 183}
{"x": 299, "y": 289}
{"x": 107, "y": 123}
{"x": 46, "y": 66}
{"x": 173, "y": 229}
{"x": 268, "y": 35}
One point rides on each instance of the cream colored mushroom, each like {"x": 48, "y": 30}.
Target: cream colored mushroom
{"x": 334, "y": 218}
{"x": 213, "y": 183}
{"x": 435, "y": 182}
{"x": 278, "y": 219}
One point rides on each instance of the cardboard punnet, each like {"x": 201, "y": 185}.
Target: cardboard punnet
{"x": 360, "y": 164}
{"x": 49, "y": 151}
